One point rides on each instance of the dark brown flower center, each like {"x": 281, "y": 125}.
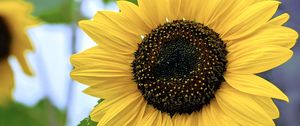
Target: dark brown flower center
{"x": 179, "y": 66}
{"x": 5, "y": 39}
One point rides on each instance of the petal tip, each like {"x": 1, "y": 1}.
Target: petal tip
{"x": 83, "y": 23}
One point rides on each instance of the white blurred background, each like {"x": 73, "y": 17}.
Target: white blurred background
{"x": 51, "y": 65}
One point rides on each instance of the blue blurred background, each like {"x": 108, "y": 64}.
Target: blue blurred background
{"x": 287, "y": 76}
{"x": 53, "y": 44}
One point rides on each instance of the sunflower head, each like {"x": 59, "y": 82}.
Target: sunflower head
{"x": 14, "y": 20}
{"x": 185, "y": 62}
{"x": 181, "y": 60}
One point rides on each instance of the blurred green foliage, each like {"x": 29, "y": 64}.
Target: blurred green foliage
{"x": 108, "y": 1}
{"x": 43, "y": 114}
{"x": 59, "y": 11}
{"x": 54, "y": 11}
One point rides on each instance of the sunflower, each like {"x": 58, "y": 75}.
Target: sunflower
{"x": 14, "y": 19}
{"x": 185, "y": 62}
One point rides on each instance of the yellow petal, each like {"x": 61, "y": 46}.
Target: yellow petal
{"x": 186, "y": 119}
{"x": 175, "y": 6}
{"x": 232, "y": 9}
{"x": 91, "y": 74}
{"x": 21, "y": 39}
{"x": 207, "y": 117}
{"x": 268, "y": 105}
{"x": 111, "y": 90}
{"x": 257, "y": 59}
{"x": 6, "y": 82}
{"x": 159, "y": 119}
{"x": 95, "y": 64}
{"x": 97, "y": 115}
{"x": 103, "y": 70}
{"x": 266, "y": 35}
{"x": 207, "y": 11}
{"x": 241, "y": 107}
{"x": 116, "y": 22}
{"x": 252, "y": 18}
{"x": 24, "y": 64}
{"x": 141, "y": 113}
{"x": 97, "y": 55}
{"x": 221, "y": 10}
{"x": 122, "y": 110}
{"x": 192, "y": 119}
{"x": 109, "y": 41}
{"x": 167, "y": 121}
{"x": 136, "y": 16}
{"x": 128, "y": 116}
{"x": 280, "y": 20}
{"x": 200, "y": 118}
{"x": 149, "y": 117}
{"x": 20, "y": 46}
{"x": 189, "y": 9}
{"x": 150, "y": 9}
{"x": 163, "y": 10}
{"x": 117, "y": 26}
{"x": 217, "y": 116}
{"x": 100, "y": 110}
{"x": 180, "y": 119}
{"x": 255, "y": 85}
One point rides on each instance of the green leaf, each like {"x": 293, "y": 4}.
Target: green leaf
{"x": 87, "y": 121}
{"x": 43, "y": 114}
{"x": 99, "y": 101}
{"x": 133, "y": 1}
{"x": 109, "y": 1}
{"x": 54, "y": 11}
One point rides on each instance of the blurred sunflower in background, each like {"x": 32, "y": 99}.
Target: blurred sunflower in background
{"x": 185, "y": 62}
{"x": 14, "y": 20}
